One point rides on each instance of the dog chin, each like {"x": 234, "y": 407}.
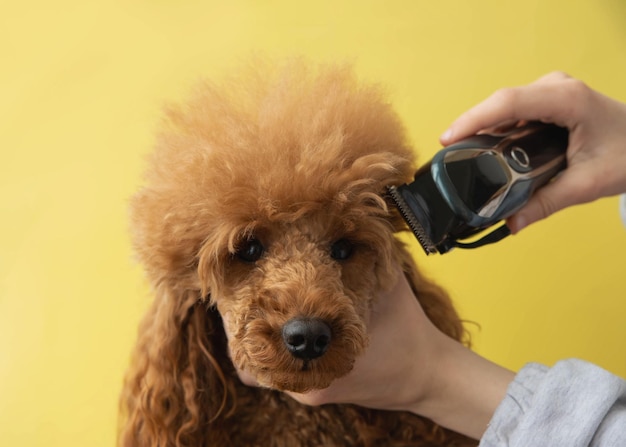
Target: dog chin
{"x": 307, "y": 379}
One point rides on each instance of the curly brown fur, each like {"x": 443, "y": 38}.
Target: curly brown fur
{"x": 252, "y": 185}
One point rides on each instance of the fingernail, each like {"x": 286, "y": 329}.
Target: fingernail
{"x": 447, "y": 135}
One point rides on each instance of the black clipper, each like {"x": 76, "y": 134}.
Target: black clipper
{"x": 474, "y": 184}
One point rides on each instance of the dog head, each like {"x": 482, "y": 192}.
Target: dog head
{"x": 264, "y": 199}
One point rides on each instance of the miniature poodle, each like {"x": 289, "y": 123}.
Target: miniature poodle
{"x": 264, "y": 206}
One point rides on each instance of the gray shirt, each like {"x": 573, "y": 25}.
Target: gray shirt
{"x": 573, "y": 404}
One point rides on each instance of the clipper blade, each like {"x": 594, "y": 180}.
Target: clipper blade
{"x": 413, "y": 223}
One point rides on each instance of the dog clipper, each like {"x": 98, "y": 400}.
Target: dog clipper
{"x": 477, "y": 182}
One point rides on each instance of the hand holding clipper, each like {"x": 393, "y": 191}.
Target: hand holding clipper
{"x": 477, "y": 182}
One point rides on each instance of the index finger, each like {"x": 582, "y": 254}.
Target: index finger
{"x": 548, "y": 101}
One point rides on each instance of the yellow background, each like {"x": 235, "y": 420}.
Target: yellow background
{"x": 81, "y": 86}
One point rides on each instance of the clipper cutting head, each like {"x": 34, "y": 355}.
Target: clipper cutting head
{"x": 412, "y": 221}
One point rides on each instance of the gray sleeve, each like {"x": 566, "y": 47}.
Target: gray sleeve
{"x": 573, "y": 404}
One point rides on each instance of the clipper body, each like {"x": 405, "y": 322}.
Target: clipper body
{"x": 475, "y": 183}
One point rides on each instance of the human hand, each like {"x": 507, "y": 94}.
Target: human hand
{"x": 401, "y": 341}
{"x": 596, "y": 155}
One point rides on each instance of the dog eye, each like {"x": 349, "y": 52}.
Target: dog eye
{"x": 341, "y": 249}
{"x": 250, "y": 250}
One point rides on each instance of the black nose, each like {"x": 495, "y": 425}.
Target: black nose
{"x": 306, "y": 338}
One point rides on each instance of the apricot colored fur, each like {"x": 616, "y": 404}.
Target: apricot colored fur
{"x": 296, "y": 158}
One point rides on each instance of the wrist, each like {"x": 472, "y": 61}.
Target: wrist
{"x": 464, "y": 389}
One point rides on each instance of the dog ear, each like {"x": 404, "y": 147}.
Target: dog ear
{"x": 175, "y": 392}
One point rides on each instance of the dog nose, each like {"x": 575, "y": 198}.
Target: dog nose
{"x": 306, "y": 338}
